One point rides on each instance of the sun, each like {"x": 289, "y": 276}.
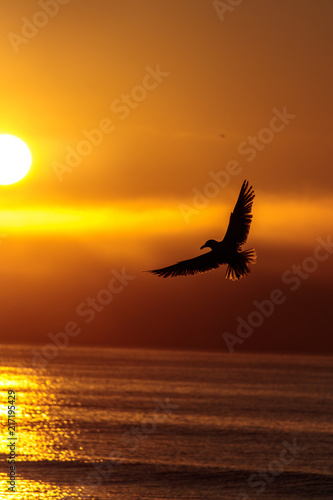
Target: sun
{"x": 15, "y": 159}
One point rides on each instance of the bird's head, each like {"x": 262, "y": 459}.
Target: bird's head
{"x": 209, "y": 244}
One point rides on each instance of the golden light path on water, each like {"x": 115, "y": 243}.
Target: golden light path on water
{"x": 42, "y": 426}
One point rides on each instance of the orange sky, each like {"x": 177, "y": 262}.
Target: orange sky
{"x": 124, "y": 105}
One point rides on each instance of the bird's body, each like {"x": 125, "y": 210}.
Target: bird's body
{"x": 228, "y": 251}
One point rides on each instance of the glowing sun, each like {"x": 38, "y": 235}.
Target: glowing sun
{"x": 15, "y": 159}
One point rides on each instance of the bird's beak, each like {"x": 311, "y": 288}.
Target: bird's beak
{"x": 203, "y": 246}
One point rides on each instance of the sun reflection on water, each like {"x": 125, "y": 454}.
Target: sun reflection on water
{"x": 44, "y": 430}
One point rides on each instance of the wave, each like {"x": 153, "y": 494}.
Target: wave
{"x": 302, "y": 484}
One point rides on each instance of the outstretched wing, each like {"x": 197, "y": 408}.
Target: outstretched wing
{"x": 200, "y": 264}
{"x": 241, "y": 217}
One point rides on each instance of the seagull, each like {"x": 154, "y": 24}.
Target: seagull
{"x": 228, "y": 251}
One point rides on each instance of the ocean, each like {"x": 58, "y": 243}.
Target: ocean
{"x": 130, "y": 424}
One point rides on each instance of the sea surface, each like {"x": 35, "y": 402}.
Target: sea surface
{"x": 100, "y": 423}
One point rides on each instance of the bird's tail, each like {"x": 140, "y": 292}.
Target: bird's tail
{"x": 239, "y": 265}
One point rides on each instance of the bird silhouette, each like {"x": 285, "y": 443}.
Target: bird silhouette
{"x": 228, "y": 251}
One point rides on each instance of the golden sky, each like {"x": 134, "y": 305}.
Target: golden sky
{"x": 136, "y": 113}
